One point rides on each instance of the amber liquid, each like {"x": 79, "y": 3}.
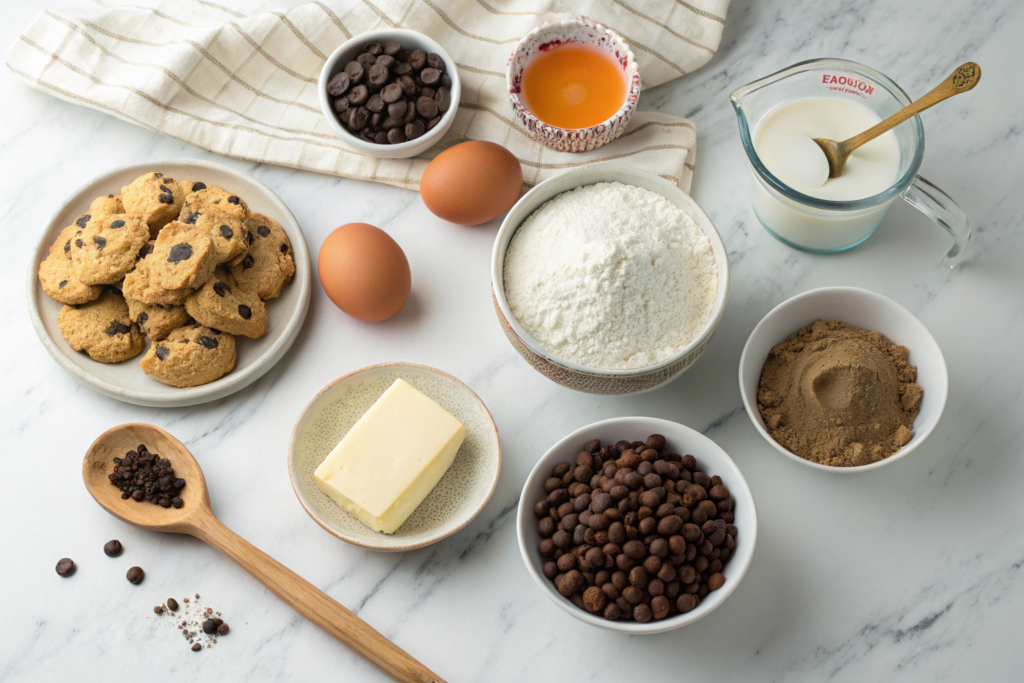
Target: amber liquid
{"x": 575, "y": 85}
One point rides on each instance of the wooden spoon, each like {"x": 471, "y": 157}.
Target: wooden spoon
{"x": 963, "y": 79}
{"x": 196, "y": 518}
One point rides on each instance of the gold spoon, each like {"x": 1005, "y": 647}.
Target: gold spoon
{"x": 196, "y": 518}
{"x": 963, "y": 79}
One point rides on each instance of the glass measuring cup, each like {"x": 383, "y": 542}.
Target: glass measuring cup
{"x": 824, "y": 226}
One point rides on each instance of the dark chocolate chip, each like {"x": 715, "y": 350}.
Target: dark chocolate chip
{"x": 341, "y": 105}
{"x": 164, "y": 188}
{"x": 66, "y": 566}
{"x": 226, "y": 232}
{"x": 191, "y": 218}
{"x": 379, "y": 75}
{"x": 244, "y": 311}
{"x": 222, "y": 629}
{"x": 100, "y": 242}
{"x": 221, "y": 288}
{"x": 443, "y": 99}
{"x": 366, "y": 59}
{"x": 434, "y": 61}
{"x": 247, "y": 262}
{"x": 172, "y": 604}
{"x": 79, "y": 243}
{"x": 116, "y": 327}
{"x": 417, "y": 59}
{"x": 196, "y": 186}
{"x": 67, "y": 246}
{"x": 166, "y": 198}
{"x": 196, "y": 647}
{"x": 208, "y": 342}
{"x": 146, "y": 250}
{"x": 426, "y": 107}
{"x": 233, "y": 199}
{"x": 142, "y": 318}
{"x": 415, "y": 129}
{"x": 375, "y": 103}
{"x": 135, "y": 575}
{"x": 263, "y": 231}
{"x": 391, "y": 93}
{"x": 62, "y": 284}
{"x": 396, "y": 110}
{"x": 113, "y": 548}
{"x": 116, "y": 225}
{"x": 373, "y": 48}
{"x": 402, "y": 69}
{"x": 82, "y": 220}
{"x": 180, "y": 252}
{"x": 358, "y": 95}
{"x": 338, "y": 84}
{"x": 392, "y": 49}
{"x": 446, "y": 81}
{"x": 284, "y": 247}
{"x": 396, "y": 135}
{"x": 209, "y": 626}
{"x": 430, "y": 76}
{"x": 162, "y": 352}
{"x": 355, "y": 71}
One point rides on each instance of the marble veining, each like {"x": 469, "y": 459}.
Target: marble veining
{"x": 909, "y": 573}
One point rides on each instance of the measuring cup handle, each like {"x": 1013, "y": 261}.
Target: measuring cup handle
{"x": 937, "y": 205}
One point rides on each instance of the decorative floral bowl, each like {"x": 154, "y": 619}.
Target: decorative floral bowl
{"x": 551, "y": 35}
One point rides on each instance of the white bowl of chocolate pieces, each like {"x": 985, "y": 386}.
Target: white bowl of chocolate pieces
{"x": 391, "y": 93}
{"x": 637, "y": 536}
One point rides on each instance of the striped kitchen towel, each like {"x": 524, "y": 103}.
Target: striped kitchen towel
{"x": 240, "y": 78}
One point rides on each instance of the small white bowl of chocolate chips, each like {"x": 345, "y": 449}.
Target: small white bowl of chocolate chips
{"x": 637, "y": 524}
{"x": 391, "y": 93}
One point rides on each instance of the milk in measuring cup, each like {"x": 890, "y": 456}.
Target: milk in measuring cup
{"x": 783, "y": 142}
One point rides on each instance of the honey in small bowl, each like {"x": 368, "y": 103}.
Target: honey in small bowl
{"x": 573, "y": 85}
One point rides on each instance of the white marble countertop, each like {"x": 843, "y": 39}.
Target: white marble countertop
{"x": 912, "y": 572}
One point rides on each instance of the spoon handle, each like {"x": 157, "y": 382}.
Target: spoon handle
{"x": 963, "y": 79}
{"x": 314, "y": 604}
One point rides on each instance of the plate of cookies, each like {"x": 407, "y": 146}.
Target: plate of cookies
{"x": 170, "y": 283}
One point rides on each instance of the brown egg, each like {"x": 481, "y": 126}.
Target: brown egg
{"x": 364, "y": 272}
{"x": 472, "y": 183}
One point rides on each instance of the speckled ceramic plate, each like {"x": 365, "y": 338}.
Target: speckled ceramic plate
{"x": 126, "y": 381}
{"x": 458, "y": 497}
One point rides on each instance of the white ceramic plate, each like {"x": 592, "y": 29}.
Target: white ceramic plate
{"x": 126, "y": 381}
{"x": 711, "y": 459}
{"x": 860, "y": 308}
{"x": 458, "y": 497}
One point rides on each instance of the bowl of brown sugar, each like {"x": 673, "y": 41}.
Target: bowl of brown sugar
{"x": 843, "y": 379}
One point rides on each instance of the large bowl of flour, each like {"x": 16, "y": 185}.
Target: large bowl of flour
{"x": 609, "y": 280}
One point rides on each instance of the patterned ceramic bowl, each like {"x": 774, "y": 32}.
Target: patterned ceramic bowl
{"x": 580, "y": 31}
{"x": 458, "y": 497}
{"x": 579, "y": 377}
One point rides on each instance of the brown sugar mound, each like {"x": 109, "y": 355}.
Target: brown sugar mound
{"x": 839, "y": 395}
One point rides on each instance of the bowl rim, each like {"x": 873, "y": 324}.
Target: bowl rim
{"x": 188, "y": 396}
{"x": 632, "y": 69}
{"x": 658, "y": 426}
{"x": 610, "y": 173}
{"x": 750, "y": 403}
{"x": 373, "y": 149}
{"x": 377, "y": 366}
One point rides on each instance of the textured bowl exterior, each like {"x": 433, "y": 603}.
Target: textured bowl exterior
{"x": 552, "y": 35}
{"x": 577, "y": 377}
{"x": 592, "y": 382}
{"x": 458, "y": 497}
{"x": 681, "y": 439}
{"x": 126, "y": 381}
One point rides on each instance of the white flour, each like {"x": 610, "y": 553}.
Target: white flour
{"x": 611, "y": 276}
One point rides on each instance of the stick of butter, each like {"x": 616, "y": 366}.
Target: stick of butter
{"x": 391, "y": 458}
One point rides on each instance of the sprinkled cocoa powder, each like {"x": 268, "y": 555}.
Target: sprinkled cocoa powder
{"x": 839, "y": 395}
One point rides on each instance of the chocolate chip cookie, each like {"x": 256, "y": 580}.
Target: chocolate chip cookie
{"x": 155, "y": 198}
{"x": 108, "y": 248}
{"x": 190, "y": 356}
{"x": 213, "y": 199}
{"x": 183, "y": 256}
{"x": 102, "y": 328}
{"x": 268, "y": 265}
{"x": 226, "y": 232}
{"x": 157, "y": 321}
{"x": 105, "y": 206}
{"x": 142, "y": 285}
{"x": 222, "y": 306}
{"x": 57, "y": 272}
